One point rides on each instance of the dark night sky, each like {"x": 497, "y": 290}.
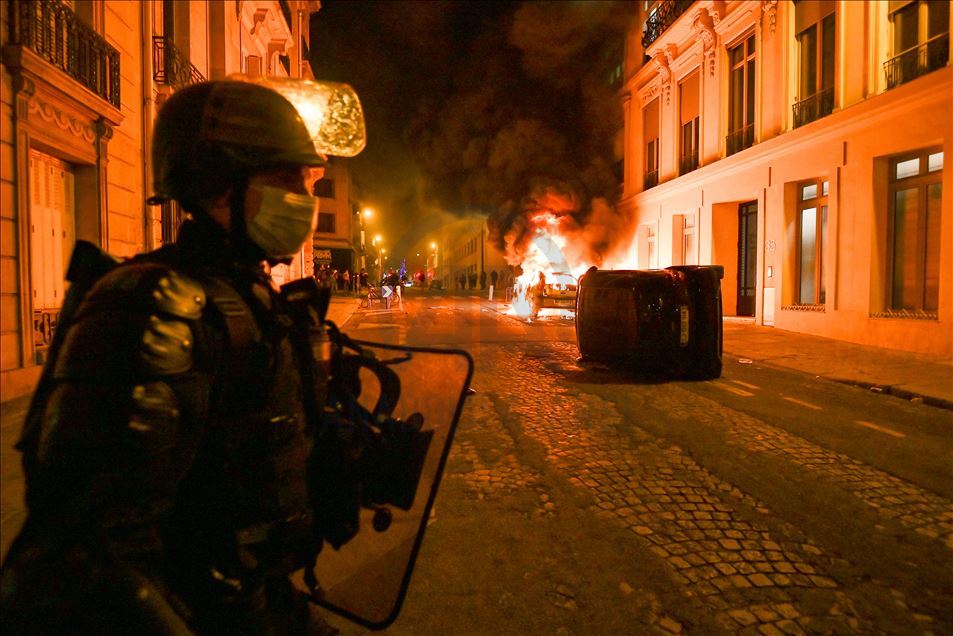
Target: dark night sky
{"x": 472, "y": 105}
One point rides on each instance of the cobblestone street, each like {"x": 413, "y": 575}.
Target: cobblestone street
{"x": 709, "y": 533}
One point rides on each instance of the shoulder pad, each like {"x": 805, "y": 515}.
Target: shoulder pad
{"x": 166, "y": 346}
{"x": 179, "y": 295}
{"x": 133, "y": 323}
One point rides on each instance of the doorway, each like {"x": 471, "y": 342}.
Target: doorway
{"x": 52, "y": 235}
{"x": 747, "y": 257}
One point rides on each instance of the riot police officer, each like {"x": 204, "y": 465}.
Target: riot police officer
{"x": 166, "y": 472}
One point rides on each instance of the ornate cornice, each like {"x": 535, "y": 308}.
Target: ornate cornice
{"x": 53, "y": 115}
{"x": 650, "y": 93}
{"x": 704, "y": 27}
{"x": 769, "y": 15}
{"x": 663, "y": 59}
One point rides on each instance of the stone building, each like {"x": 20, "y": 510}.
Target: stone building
{"x": 334, "y": 237}
{"x": 80, "y": 85}
{"x": 804, "y": 146}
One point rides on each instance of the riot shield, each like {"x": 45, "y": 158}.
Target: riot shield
{"x": 366, "y": 579}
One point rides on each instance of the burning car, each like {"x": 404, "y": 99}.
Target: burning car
{"x": 556, "y": 291}
{"x": 658, "y": 321}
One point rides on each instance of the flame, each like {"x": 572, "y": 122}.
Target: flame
{"x": 559, "y": 250}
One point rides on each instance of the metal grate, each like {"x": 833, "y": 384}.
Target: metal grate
{"x": 661, "y": 19}
{"x": 918, "y": 61}
{"x": 688, "y": 163}
{"x": 170, "y": 66}
{"x": 739, "y": 140}
{"x": 51, "y": 30}
{"x": 651, "y": 179}
{"x": 820, "y": 104}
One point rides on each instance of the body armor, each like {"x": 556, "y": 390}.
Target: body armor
{"x": 166, "y": 480}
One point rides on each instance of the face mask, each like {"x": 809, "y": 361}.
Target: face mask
{"x": 284, "y": 222}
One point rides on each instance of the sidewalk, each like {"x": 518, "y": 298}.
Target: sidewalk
{"x": 906, "y": 375}
{"x": 342, "y": 308}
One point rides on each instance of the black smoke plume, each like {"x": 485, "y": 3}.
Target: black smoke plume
{"x": 529, "y": 125}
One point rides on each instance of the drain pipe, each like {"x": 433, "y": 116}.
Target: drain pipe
{"x": 147, "y": 114}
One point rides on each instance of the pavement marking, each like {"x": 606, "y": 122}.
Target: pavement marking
{"x": 746, "y": 385}
{"x": 803, "y": 403}
{"x": 882, "y": 429}
{"x": 732, "y": 389}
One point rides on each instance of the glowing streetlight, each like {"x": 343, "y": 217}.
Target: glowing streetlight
{"x": 368, "y": 213}
{"x": 377, "y": 239}
{"x": 433, "y": 246}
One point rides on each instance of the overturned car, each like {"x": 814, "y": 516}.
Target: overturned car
{"x": 657, "y": 321}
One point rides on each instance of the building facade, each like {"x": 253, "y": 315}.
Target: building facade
{"x": 462, "y": 248}
{"x": 334, "y": 238}
{"x": 80, "y": 84}
{"x": 806, "y": 147}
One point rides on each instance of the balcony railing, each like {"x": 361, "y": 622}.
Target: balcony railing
{"x": 52, "y": 31}
{"x": 820, "y": 104}
{"x": 651, "y": 179}
{"x": 918, "y": 61}
{"x": 687, "y": 163}
{"x": 170, "y": 66}
{"x": 662, "y": 18}
{"x": 739, "y": 140}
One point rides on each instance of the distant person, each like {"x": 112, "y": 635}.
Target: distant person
{"x": 483, "y": 280}
{"x": 493, "y": 278}
{"x": 473, "y": 280}
{"x": 463, "y": 281}
{"x": 347, "y": 280}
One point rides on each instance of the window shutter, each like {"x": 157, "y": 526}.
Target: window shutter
{"x": 651, "y": 124}
{"x": 688, "y": 99}
{"x": 808, "y": 13}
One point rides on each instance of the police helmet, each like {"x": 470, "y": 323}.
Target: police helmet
{"x": 208, "y": 134}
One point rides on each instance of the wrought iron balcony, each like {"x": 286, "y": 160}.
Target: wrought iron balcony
{"x": 170, "y": 66}
{"x": 52, "y": 31}
{"x": 820, "y": 104}
{"x": 687, "y": 163}
{"x": 662, "y": 18}
{"x": 651, "y": 179}
{"x": 918, "y": 61}
{"x": 739, "y": 140}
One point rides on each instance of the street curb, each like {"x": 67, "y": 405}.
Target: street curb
{"x": 903, "y": 394}
{"x": 886, "y": 389}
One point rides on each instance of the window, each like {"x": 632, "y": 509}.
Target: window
{"x": 324, "y": 188}
{"x": 688, "y": 119}
{"x": 741, "y": 97}
{"x": 646, "y": 251}
{"x": 920, "y": 35}
{"x": 815, "y": 24}
{"x": 811, "y": 238}
{"x": 913, "y": 231}
{"x": 650, "y": 244}
{"x": 326, "y": 222}
{"x": 688, "y": 239}
{"x": 651, "y": 126}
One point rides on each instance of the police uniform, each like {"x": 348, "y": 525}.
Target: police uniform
{"x": 175, "y": 441}
{"x": 166, "y": 475}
